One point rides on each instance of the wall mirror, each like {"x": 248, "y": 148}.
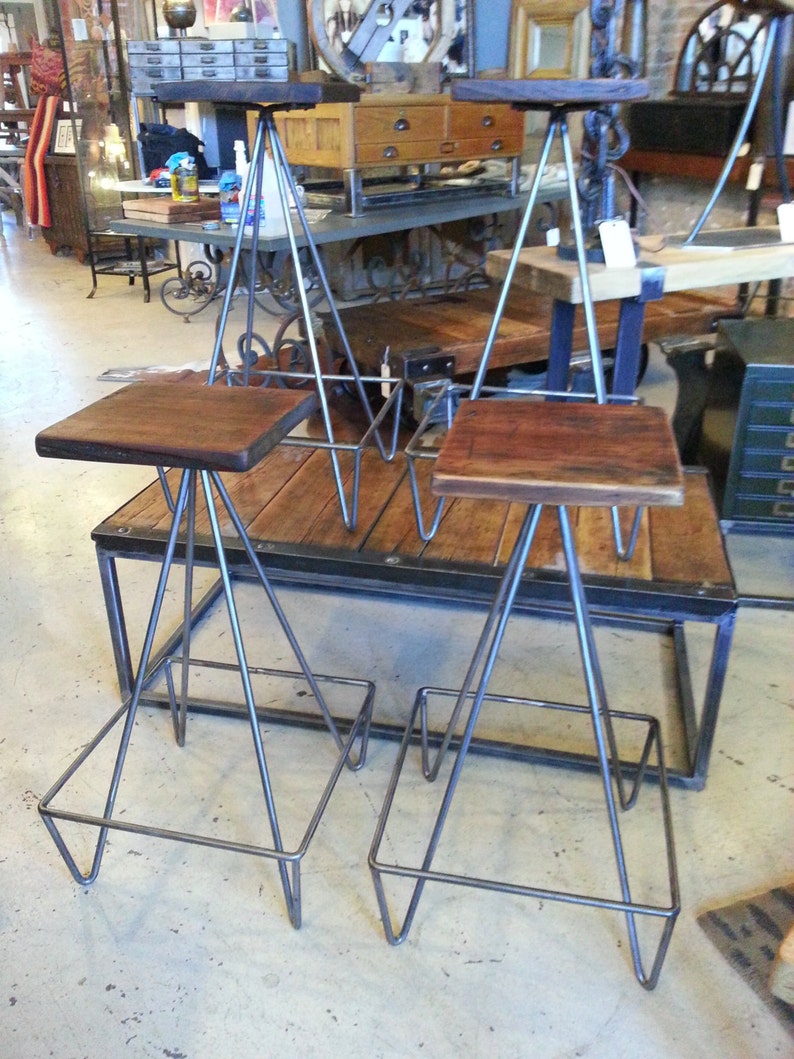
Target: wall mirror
{"x": 549, "y": 38}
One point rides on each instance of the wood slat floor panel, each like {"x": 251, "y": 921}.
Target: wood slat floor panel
{"x": 290, "y": 499}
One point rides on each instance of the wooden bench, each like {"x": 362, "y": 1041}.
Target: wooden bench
{"x": 679, "y": 572}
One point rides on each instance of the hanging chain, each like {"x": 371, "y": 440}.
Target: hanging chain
{"x": 605, "y": 139}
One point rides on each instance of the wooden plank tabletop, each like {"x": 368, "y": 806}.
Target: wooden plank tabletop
{"x": 541, "y": 270}
{"x": 386, "y": 540}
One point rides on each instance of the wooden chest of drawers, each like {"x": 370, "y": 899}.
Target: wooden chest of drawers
{"x": 387, "y": 131}
{"x": 753, "y": 386}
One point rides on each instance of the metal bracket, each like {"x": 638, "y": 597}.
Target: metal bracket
{"x": 427, "y": 363}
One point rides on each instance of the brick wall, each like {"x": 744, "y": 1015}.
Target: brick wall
{"x": 668, "y": 23}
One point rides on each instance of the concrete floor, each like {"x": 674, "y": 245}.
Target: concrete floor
{"x": 183, "y": 952}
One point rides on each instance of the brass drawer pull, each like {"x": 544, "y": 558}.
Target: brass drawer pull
{"x": 497, "y": 145}
{"x": 390, "y": 152}
{"x": 447, "y": 147}
{"x": 787, "y": 463}
{"x": 402, "y": 125}
{"x": 488, "y": 121}
{"x": 786, "y": 487}
{"x": 783, "y": 510}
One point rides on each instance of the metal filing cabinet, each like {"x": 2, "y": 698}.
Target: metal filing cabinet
{"x": 753, "y": 378}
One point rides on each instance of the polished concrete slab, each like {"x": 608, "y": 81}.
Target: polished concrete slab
{"x": 184, "y": 952}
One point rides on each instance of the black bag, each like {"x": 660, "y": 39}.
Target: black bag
{"x": 159, "y": 142}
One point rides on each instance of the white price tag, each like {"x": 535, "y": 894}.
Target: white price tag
{"x": 616, "y": 242}
{"x": 785, "y": 218}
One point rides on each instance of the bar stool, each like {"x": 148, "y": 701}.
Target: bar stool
{"x": 559, "y": 98}
{"x": 266, "y": 99}
{"x": 557, "y": 454}
{"x": 202, "y": 430}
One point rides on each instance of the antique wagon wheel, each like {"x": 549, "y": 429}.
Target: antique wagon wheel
{"x": 367, "y": 26}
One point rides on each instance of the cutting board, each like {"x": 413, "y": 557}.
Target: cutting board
{"x": 168, "y": 211}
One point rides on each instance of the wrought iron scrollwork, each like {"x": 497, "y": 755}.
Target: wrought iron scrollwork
{"x": 191, "y": 293}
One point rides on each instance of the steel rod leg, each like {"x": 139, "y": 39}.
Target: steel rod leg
{"x": 494, "y": 631}
{"x": 131, "y": 710}
{"x": 605, "y": 743}
{"x": 293, "y": 907}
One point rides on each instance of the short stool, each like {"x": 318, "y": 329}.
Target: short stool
{"x": 536, "y": 454}
{"x": 202, "y": 430}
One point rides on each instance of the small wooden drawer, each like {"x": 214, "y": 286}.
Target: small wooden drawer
{"x": 485, "y": 147}
{"x": 403, "y": 153}
{"x": 410, "y": 125}
{"x": 487, "y": 121}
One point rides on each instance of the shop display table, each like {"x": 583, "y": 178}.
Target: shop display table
{"x": 673, "y": 267}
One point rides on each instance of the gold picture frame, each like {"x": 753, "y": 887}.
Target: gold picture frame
{"x": 549, "y": 38}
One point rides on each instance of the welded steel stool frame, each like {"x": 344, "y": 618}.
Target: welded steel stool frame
{"x": 617, "y": 793}
{"x": 352, "y": 745}
{"x": 559, "y": 99}
{"x": 268, "y": 98}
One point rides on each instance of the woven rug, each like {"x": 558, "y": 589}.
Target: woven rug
{"x": 748, "y": 934}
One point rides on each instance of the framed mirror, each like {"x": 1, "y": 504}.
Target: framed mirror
{"x": 549, "y": 38}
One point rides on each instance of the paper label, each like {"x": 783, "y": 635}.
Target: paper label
{"x": 785, "y": 218}
{"x": 616, "y": 242}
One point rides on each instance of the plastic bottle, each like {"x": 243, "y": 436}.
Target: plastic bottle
{"x": 271, "y": 200}
{"x": 241, "y": 161}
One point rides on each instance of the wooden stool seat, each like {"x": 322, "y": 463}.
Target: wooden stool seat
{"x": 547, "y": 93}
{"x": 575, "y": 454}
{"x": 220, "y": 428}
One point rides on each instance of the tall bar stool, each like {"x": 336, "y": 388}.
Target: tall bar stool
{"x": 559, "y": 98}
{"x": 267, "y": 98}
{"x": 202, "y": 430}
{"x": 557, "y": 454}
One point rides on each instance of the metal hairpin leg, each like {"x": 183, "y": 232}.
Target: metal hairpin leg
{"x": 266, "y": 131}
{"x": 557, "y": 123}
{"x": 612, "y": 771}
{"x": 352, "y": 745}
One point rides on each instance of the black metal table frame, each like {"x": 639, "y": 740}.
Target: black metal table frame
{"x": 660, "y": 608}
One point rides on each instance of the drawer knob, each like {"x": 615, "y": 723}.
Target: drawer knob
{"x": 402, "y": 125}
{"x": 497, "y": 145}
{"x": 488, "y": 121}
{"x": 390, "y": 152}
{"x": 785, "y": 487}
